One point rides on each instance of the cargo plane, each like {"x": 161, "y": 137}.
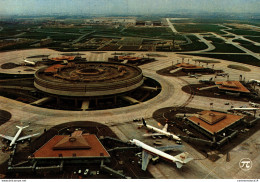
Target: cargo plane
{"x": 148, "y": 152}
{"x": 16, "y": 137}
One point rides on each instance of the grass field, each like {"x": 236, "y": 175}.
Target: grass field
{"x": 198, "y": 28}
{"x": 256, "y": 39}
{"x": 241, "y": 41}
{"x": 246, "y": 59}
{"x": 149, "y": 32}
{"x": 195, "y": 45}
{"x": 225, "y": 48}
{"x": 54, "y": 36}
{"x": 214, "y": 40}
{"x": 248, "y": 45}
{"x": 252, "y": 47}
{"x": 244, "y": 32}
{"x": 238, "y": 67}
{"x": 62, "y": 30}
{"x": 206, "y": 61}
{"x": 14, "y": 29}
{"x": 131, "y": 41}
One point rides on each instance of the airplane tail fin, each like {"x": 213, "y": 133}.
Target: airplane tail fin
{"x": 19, "y": 127}
{"x": 144, "y": 122}
{"x": 179, "y": 165}
{"x": 183, "y": 159}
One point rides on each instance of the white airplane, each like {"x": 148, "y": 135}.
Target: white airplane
{"x": 195, "y": 75}
{"x": 29, "y": 62}
{"x": 149, "y": 151}
{"x": 159, "y": 131}
{"x": 253, "y": 80}
{"x": 254, "y": 104}
{"x": 15, "y": 138}
{"x": 245, "y": 109}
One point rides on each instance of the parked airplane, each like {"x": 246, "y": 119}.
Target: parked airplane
{"x": 159, "y": 131}
{"x": 149, "y": 151}
{"x": 206, "y": 81}
{"x": 195, "y": 75}
{"x": 15, "y": 138}
{"x": 222, "y": 74}
{"x": 254, "y": 104}
{"x": 29, "y": 62}
{"x": 254, "y": 81}
{"x": 245, "y": 109}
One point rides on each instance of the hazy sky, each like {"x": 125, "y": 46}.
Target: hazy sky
{"x": 125, "y": 6}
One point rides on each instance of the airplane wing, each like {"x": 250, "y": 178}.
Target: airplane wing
{"x": 7, "y": 137}
{"x": 153, "y": 134}
{"x": 145, "y": 159}
{"x": 165, "y": 127}
{"x": 28, "y": 136}
{"x": 170, "y": 147}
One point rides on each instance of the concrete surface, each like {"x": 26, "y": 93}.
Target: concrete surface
{"x": 120, "y": 119}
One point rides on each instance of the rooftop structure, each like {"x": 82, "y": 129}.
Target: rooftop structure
{"x": 212, "y": 118}
{"x": 235, "y": 86}
{"x": 62, "y": 58}
{"x": 88, "y": 79}
{"x": 213, "y": 122}
{"x": 77, "y": 145}
{"x": 187, "y": 66}
{"x": 53, "y": 69}
{"x": 130, "y": 58}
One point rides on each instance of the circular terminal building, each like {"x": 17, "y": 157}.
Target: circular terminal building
{"x": 88, "y": 79}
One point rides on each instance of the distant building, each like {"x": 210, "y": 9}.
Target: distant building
{"x": 157, "y": 23}
{"x": 148, "y": 23}
{"x": 140, "y": 23}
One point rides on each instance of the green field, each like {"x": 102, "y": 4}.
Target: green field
{"x": 246, "y": 59}
{"x": 256, "y": 39}
{"x": 248, "y": 45}
{"x": 252, "y": 47}
{"x": 131, "y": 41}
{"x": 54, "y": 36}
{"x": 202, "y": 20}
{"x": 225, "y": 48}
{"x": 195, "y": 45}
{"x": 14, "y": 29}
{"x": 149, "y": 32}
{"x": 241, "y": 41}
{"x": 62, "y": 30}
{"x": 238, "y": 67}
{"x": 207, "y": 61}
{"x": 198, "y": 28}
{"x": 214, "y": 39}
{"x": 244, "y": 32}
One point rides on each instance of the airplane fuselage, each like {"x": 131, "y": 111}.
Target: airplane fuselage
{"x": 16, "y": 137}
{"x": 246, "y": 109}
{"x": 168, "y": 134}
{"x": 29, "y": 62}
{"x": 155, "y": 151}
